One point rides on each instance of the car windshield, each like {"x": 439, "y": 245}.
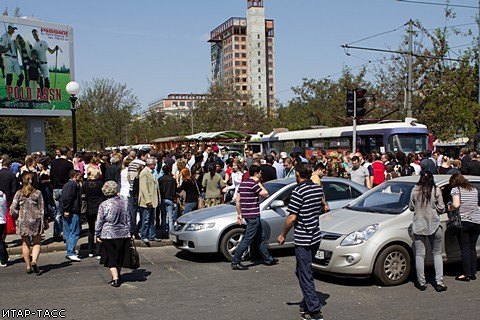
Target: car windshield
{"x": 388, "y": 198}
{"x": 271, "y": 187}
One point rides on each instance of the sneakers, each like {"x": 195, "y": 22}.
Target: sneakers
{"x": 99, "y": 257}
{"x": 271, "y": 263}
{"x": 2, "y": 264}
{"x": 420, "y": 286}
{"x": 90, "y": 255}
{"x": 315, "y": 316}
{"x": 239, "y": 266}
{"x": 439, "y": 287}
{"x": 74, "y": 258}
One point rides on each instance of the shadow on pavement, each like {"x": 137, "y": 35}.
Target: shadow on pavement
{"x": 139, "y": 275}
{"x": 199, "y": 257}
{"x": 49, "y": 267}
{"x": 323, "y": 297}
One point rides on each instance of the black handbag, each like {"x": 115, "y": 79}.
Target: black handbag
{"x": 454, "y": 223}
{"x": 134, "y": 256}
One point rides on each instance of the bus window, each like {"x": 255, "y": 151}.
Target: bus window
{"x": 408, "y": 143}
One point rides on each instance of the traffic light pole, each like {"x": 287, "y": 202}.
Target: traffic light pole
{"x": 354, "y": 139}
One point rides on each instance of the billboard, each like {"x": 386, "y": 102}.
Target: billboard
{"x": 35, "y": 67}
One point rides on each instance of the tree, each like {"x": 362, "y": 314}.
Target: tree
{"x": 318, "y": 101}
{"x": 105, "y": 109}
{"x": 227, "y": 109}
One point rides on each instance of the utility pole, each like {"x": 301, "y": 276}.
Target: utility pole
{"x": 410, "y": 73}
{"x": 354, "y": 122}
{"x": 191, "y": 98}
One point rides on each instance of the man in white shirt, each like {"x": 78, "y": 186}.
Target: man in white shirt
{"x": 10, "y": 56}
{"x": 41, "y": 47}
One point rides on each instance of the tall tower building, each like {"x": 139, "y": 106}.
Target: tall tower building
{"x": 242, "y": 55}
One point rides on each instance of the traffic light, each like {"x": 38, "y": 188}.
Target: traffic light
{"x": 350, "y": 103}
{"x": 361, "y": 100}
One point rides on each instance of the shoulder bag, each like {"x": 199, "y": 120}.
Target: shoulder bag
{"x": 454, "y": 222}
{"x": 134, "y": 256}
{"x": 201, "y": 203}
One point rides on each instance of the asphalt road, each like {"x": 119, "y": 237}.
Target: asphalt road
{"x": 177, "y": 285}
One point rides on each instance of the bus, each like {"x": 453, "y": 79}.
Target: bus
{"x": 384, "y": 136}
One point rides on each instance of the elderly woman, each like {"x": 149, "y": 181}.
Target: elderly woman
{"x": 113, "y": 231}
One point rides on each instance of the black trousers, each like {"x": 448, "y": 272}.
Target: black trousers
{"x": 467, "y": 237}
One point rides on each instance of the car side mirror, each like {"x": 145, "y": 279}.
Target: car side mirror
{"x": 277, "y": 204}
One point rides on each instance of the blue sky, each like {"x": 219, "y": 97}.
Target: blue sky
{"x": 158, "y": 47}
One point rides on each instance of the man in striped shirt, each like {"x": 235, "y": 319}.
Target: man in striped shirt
{"x": 304, "y": 209}
{"x": 248, "y": 208}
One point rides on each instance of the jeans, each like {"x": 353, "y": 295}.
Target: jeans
{"x": 132, "y": 210}
{"x": 71, "y": 232}
{"x": 189, "y": 206}
{"x": 468, "y": 237}
{"x": 172, "y": 215}
{"x": 148, "y": 223}
{"x": 57, "y": 225}
{"x": 435, "y": 240}
{"x": 304, "y": 273}
{"x": 254, "y": 231}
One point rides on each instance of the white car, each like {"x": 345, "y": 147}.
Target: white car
{"x": 371, "y": 236}
{"x": 215, "y": 229}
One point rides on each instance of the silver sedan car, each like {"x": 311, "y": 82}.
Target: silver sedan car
{"x": 372, "y": 235}
{"x": 215, "y": 229}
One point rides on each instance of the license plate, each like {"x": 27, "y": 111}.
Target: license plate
{"x": 320, "y": 255}
{"x": 173, "y": 238}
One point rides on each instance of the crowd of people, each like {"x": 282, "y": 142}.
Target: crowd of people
{"x": 159, "y": 185}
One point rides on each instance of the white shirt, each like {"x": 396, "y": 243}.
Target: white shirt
{"x": 124, "y": 184}
{"x": 41, "y": 47}
{"x": 4, "y": 40}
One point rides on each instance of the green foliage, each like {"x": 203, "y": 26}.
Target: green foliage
{"x": 12, "y": 137}
{"x": 105, "y": 109}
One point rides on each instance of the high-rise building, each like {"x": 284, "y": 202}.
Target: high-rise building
{"x": 242, "y": 55}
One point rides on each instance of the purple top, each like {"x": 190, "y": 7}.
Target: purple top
{"x": 249, "y": 192}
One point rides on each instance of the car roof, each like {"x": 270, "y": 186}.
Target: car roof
{"x": 287, "y": 181}
{"x": 439, "y": 178}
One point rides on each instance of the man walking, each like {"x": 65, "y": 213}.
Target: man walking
{"x": 248, "y": 208}
{"x": 304, "y": 209}
{"x": 59, "y": 174}
{"x": 148, "y": 200}
{"x": 70, "y": 204}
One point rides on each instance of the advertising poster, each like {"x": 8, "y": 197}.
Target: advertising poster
{"x": 35, "y": 67}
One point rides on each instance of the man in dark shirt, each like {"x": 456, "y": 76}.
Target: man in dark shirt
{"x": 428, "y": 164}
{"x": 268, "y": 170}
{"x": 59, "y": 174}
{"x": 70, "y": 206}
{"x": 248, "y": 208}
{"x": 304, "y": 209}
{"x": 465, "y": 158}
{"x": 472, "y": 167}
{"x": 8, "y": 182}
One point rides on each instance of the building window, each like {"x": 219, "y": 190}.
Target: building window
{"x": 270, "y": 56}
{"x": 244, "y": 55}
{"x": 259, "y": 53}
{"x": 244, "y": 46}
{"x": 259, "y": 78}
{"x": 236, "y": 38}
{"x": 237, "y": 63}
{"x": 270, "y": 64}
{"x": 260, "y": 103}
{"x": 244, "y": 71}
{"x": 271, "y": 88}
{"x": 259, "y": 86}
{"x": 182, "y": 103}
{"x": 244, "y": 38}
{"x": 259, "y": 69}
{"x": 244, "y": 88}
{"x": 270, "y": 48}
{"x": 237, "y": 88}
{"x": 237, "y": 55}
{"x": 259, "y": 61}
{"x": 270, "y": 72}
{"x": 237, "y": 46}
{"x": 189, "y": 104}
{"x": 270, "y": 39}
{"x": 258, "y": 36}
{"x": 259, "y": 95}
{"x": 259, "y": 44}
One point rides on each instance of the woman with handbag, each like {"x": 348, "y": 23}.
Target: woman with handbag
{"x": 29, "y": 211}
{"x": 465, "y": 199}
{"x": 113, "y": 231}
{"x": 427, "y": 203}
{"x": 189, "y": 185}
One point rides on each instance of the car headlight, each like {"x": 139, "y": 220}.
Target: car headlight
{"x": 199, "y": 226}
{"x": 360, "y": 236}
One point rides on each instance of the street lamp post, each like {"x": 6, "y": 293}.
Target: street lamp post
{"x": 73, "y": 89}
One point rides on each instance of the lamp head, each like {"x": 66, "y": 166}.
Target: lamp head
{"x": 73, "y": 88}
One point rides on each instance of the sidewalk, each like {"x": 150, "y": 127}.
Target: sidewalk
{"x": 14, "y": 242}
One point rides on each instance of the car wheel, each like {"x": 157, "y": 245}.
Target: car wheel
{"x": 230, "y": 242}
{"x": 393, "y": 266}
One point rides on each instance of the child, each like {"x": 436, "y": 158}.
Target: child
{"x": 34, "y": 73}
